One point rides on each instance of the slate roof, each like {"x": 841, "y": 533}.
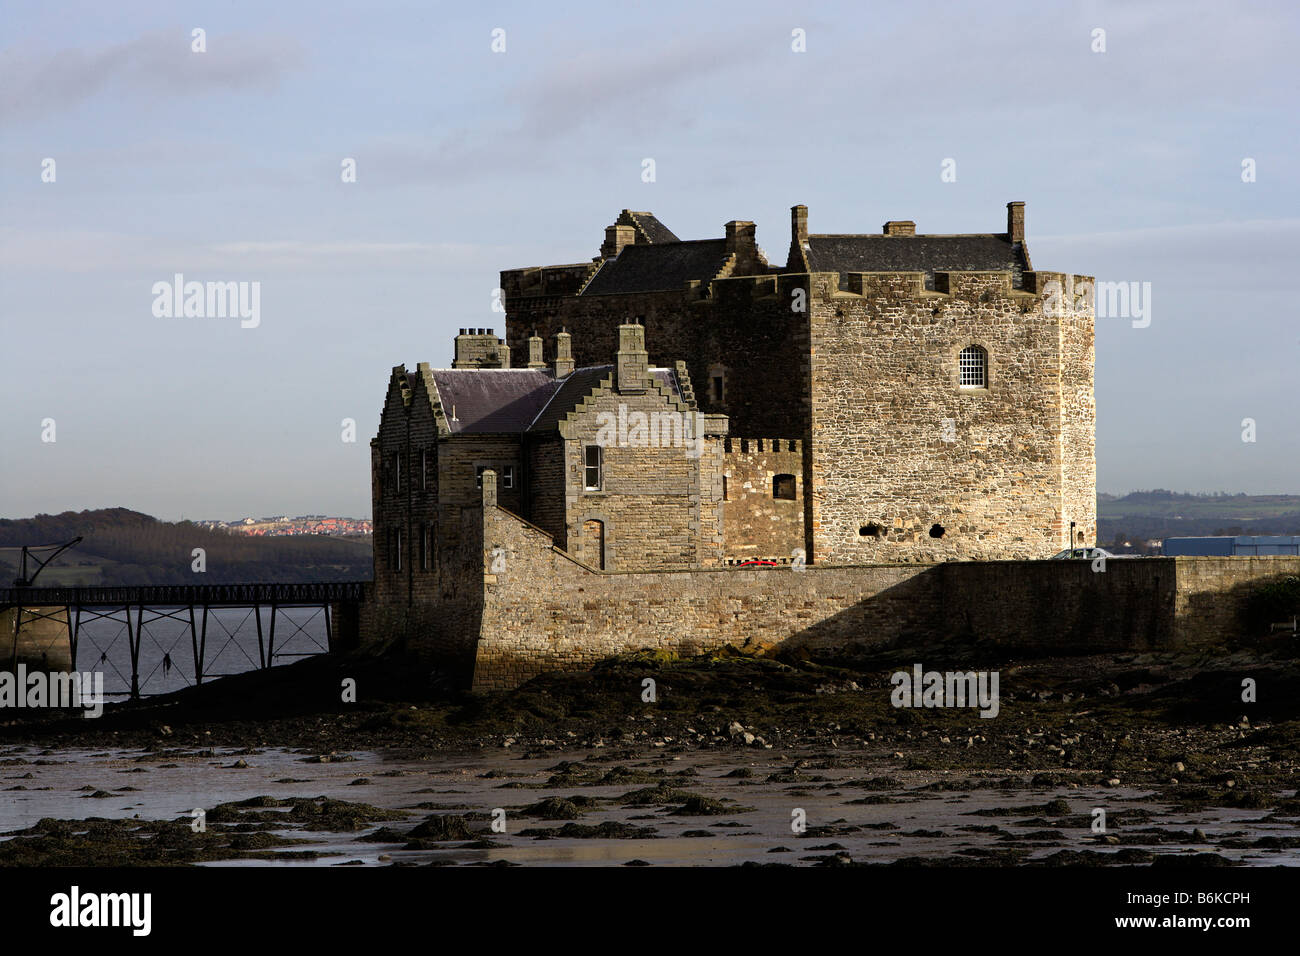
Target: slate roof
{"x": 578, "y": 385}
{"x": 659, "y": 268}
{"x": 991, "y": 252}
{"x": 650, "y": 228}
{"x": 492, "y": 400}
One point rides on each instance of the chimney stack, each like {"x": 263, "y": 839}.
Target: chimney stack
{"x": 740, "y": 236}
{"x": 900, "y": 227}
{"x": 798, "y": 224}
{"x": 480, "y": 348}
{"x": 795, "y": 259}
{"x": 633, "y": 361}
{"x": 535, "y": 359}
{"x": 1016, "y": 221}
{"x": 563, "y": 354}
{"x": 616, "y": 237}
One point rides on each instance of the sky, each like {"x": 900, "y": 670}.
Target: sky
{"x": 1134, "y": 162}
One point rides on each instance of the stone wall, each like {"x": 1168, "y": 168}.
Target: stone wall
{"x": 544, "y": 610}
{"x": 42, "y": 642}
{"x": 757, "y": 524}
{"x": 868, "y": 377}
{"x": 546, "y": 507}
{"x": 907, "y": 465}
{"x": 1210, "y": 592}
{"x": 744, "y": 327}
{"x": 652, "y": 500}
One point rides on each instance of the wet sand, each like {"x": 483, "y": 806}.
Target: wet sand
{"x": 715, "y": 771}
{"x": 856, "y": 808}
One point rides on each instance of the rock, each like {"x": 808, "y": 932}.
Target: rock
{"x": 747, "y": 737}
{"x": 1179, "y": 767}
{"x": 1199, "y": 836}
{"x": 443, "y": 827}
{"x": 1113, "y": 782}
{"x": 240, "y": 764}
{"x": 735, "y": 729}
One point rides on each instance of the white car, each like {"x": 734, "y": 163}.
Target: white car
{"x": 1083, "y": 554}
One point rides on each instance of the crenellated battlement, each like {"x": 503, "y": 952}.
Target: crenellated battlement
{"x": 748, "y": 446}
{"x": 1063, "y": 293}
{"x": 548, "y": 281}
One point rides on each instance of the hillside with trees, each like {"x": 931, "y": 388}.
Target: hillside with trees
{"x": 1154, "y": 515}
{"x": 123, "y": 547}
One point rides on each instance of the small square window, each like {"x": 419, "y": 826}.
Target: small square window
{"x": 783, "y": 487}
{"x": 507, "y": 476}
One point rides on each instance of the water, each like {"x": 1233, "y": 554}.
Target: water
{"x": 231, "y": 646}
{"x": 924, "y": 823}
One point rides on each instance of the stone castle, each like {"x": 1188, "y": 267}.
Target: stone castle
{"x": 655, "y": 418}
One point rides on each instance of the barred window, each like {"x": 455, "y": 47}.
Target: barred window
{"x": 974, "y": 365}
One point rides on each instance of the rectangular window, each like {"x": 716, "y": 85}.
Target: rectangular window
{"x": 717, "y": 388}
{"x": 507, "y": 476}
{"x": 973, "y": 365}
{"x": 724, "y": 489}
{"x": 424, "y": 469}
{"x": 478, "y": 474}
{"x": 397, "y": 472}
{"x": 592, "y": 468}
{"x": 424, "y": 547}
{"x": 396, "y": 562}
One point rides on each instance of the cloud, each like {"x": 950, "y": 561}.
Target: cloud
{"x": 88, "y": 251}
{"x": 155, "y": 64}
